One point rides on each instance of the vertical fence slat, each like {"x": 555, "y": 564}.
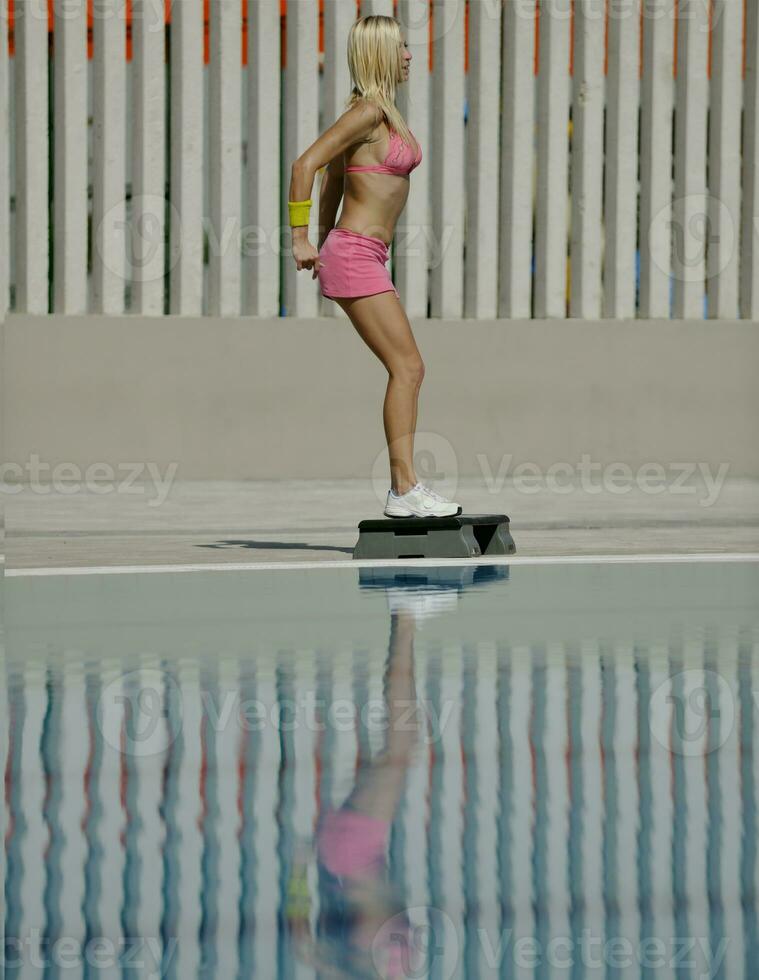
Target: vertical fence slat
{"x": 261, "y": 261}
{"x": 447, "y": 161}
{"x": 374, "y": 8}
{"x": 751, "y": 799}
{"x": 146, "y": 240}
{"x": 480, "y": 706}
{"x": 587, "y": 159}
{"x": 73, "y": 767}
{"x": 689, "y": 205}
{"x": 656, "y": 159}
{"x": 5, "y": 145}
{"x": 32, "y": 148}
{"x": 145, "y": 860}
{"x": 263, "y": 174}
{"x": 552, "y": 743}
{"x": 266, "y": 827}
{"x": 107, "y": 860}
{"x": 29, "y": 824}
{"x": 660, "y": 715}
{"x": 186, "y": 179}
{"x": 5, "y": 706}
{"x": 518, "y": 808}
{"x": 228, "y": 764}
{"x": 553, "y": 153}
{"x": 338, "y": 18}
{"x": 483, "y": 91}
{"x": 591, "y": 769}
{"x": 724, "y": 207}
{"x": 411, "y": 245}
{"x": 750, "y": 177}
{"x": 109, "y": 158}
{"x": 621, "y": 206}
{"x": 446, "y": 820}
{"x": 188, "y": 816}
{"x": 224, "y": 159}
{"x": 625, "y": 743}
{"x": 301, "y": 109}
{"x": 725, "y": 801}
{"x": 70, "y": 176}
{"x": 694, "y": 811}
{"x": 517, "y": 160}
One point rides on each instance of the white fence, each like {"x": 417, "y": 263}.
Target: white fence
{"x": 578, "y": 161}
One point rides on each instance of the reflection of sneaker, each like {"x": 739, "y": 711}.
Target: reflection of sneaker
{"x": 420, "y": 501}
{"x": 422, "y": 604}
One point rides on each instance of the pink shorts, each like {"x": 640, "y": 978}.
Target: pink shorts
{"x": 353, "y": 265}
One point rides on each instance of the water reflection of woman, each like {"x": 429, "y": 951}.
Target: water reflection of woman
{"x": 363, "y": 928}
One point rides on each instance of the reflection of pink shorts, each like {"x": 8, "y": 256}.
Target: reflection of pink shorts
{"x": 353, "y": 265}
{"x": 353, "y": 843}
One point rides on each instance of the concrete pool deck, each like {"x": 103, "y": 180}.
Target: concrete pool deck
{"x": 203, "y": 522}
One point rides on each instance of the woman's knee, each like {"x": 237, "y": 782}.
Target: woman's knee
{"x": 409, "y": 371}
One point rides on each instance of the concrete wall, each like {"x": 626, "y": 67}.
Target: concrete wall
{"x": 240, "y": 398}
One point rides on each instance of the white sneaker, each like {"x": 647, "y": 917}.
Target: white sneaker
{"x": 420, "y": 501}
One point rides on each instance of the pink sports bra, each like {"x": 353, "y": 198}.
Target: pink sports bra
{"x": 400, "y": 159}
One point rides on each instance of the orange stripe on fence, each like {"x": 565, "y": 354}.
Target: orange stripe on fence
{"x": 244, "y": 6}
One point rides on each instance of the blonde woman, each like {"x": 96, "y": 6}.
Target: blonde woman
{"x": 369, "y": 154}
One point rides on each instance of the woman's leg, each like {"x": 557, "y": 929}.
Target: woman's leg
{"x": 382, "y": 324}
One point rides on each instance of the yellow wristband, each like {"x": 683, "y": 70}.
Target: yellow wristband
{"x": 299, "y": 211}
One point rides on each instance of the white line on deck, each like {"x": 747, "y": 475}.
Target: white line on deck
{"x": 270, "y": 566}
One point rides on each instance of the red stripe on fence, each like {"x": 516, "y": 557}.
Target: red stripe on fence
{"x": 283, "y": 32}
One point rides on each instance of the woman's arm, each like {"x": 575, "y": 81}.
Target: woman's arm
{"x": 330, "y": 195}
{"x": 354, "y": 124}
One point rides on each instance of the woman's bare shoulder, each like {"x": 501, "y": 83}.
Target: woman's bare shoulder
{"x": 367, "y": 111}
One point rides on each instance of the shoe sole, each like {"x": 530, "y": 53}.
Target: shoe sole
{"x": 400, "y": 517}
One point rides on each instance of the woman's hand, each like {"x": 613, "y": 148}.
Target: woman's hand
{"x": 306, "y": 256}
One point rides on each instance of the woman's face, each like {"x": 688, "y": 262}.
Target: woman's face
{"x": 405, "y": 59}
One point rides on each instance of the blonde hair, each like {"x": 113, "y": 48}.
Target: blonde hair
{"x": 375, "y": 63}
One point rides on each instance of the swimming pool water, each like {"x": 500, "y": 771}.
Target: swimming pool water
{"x": 461, "y": 771}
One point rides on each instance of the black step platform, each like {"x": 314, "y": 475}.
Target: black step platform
{"x": 462, "y": 536}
